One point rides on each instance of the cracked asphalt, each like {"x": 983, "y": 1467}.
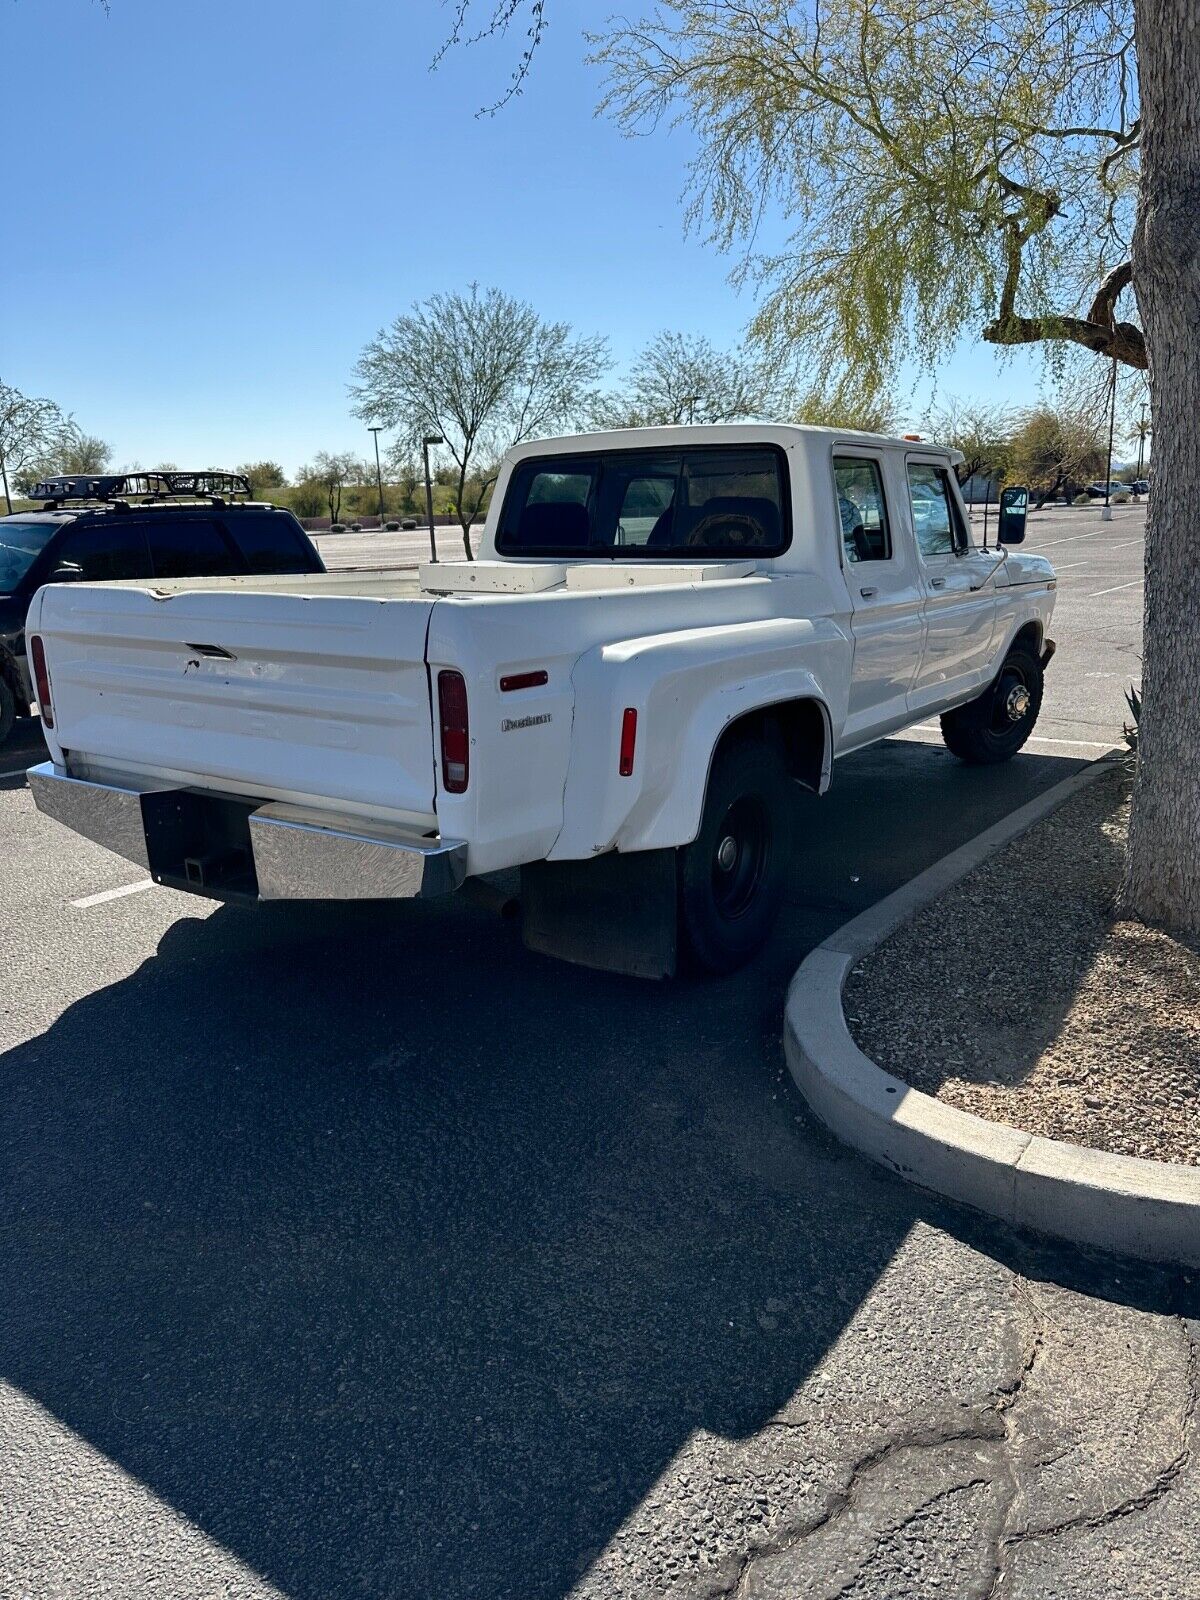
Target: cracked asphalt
{"x": 355, "y": 1251}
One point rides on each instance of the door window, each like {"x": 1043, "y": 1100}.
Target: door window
{"x": 190, "y": 547}
{"x": 862, "y": 509}
{"x": 106, "y": 549}
{"x": 936, "y": 520}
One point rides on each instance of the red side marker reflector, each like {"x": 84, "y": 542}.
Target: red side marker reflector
{"x": 41, "y": 680}
{"x": 456, "y": 733}
{"x": 523, "y": 680}
{"x": 628, "y": 741}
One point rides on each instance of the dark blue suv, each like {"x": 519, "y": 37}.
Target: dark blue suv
{"x": 143, "y": 525}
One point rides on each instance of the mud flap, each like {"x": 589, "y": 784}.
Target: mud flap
{"x": 617, "y": 913}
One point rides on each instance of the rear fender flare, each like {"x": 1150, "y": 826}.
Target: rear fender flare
{"x": 686, "y": 690}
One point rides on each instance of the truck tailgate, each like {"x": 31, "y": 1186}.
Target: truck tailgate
{"x": 322, "y": 697}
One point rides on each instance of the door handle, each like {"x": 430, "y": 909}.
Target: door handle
{"x": 937, "y": 583}
{"x": 869, "y": 592}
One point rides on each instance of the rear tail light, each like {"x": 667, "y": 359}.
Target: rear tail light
{"x": 41, "y": 680}
{"x": 456, "y": 733}
{"x": 628, "y": 741}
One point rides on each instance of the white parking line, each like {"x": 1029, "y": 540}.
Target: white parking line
{"x": 1074, "y": 539}
{"x": 1034, "y": 738}
{"x": 1140, "y": 538}
{"x": 1136, "y": 584}
{"x": 113, "y": 894}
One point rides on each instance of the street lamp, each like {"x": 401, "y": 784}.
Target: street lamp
{"x": 378, "y": 472}
{"x": 430, "y": 438}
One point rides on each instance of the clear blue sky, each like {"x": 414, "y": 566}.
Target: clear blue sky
{"x": 217, "y": 204}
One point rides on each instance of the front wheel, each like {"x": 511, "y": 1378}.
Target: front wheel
{"x": 995, "y": 726}
{"x": 732, "y": 875}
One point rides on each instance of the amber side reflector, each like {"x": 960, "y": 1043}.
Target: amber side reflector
{"x": 523, "y": 680}
{"x": 41, "y": 680}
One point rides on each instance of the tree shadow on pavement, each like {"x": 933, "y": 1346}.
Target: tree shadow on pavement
{"x": 402, "y": 1261}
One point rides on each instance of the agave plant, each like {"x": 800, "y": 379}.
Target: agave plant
{"x": 1133, "y": 699}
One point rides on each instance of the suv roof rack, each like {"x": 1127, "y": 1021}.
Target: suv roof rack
{"x": 107, "y": 488}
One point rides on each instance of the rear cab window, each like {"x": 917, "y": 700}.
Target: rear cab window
{"x": 726, "y": 501}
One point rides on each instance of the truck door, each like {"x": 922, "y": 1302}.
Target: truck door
{"x": 886, "y": 597}
{"x": 960, "y": 602}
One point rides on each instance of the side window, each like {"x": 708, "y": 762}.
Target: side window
{"x": 109, "y": 548}
{"x": 936, "y": 520}
{"x": 270, "y": 542}
{"x": 189, "y": 547}
{"x": 862, "y": 509}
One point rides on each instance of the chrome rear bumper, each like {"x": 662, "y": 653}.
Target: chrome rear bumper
{"x": 228, "y": 848}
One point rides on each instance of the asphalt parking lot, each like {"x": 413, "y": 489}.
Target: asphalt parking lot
{"x": 357, "y": 1251}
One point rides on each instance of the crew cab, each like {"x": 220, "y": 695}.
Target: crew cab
{"x": 666, "y": 630}
{"x": 133, "y": 525}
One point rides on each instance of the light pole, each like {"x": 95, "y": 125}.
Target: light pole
{"x": 430, "y": 438}
{"x": 1106, "y": 514}
{"x": 378, "y": 472}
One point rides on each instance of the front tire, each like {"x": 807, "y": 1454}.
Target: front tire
{"x": 995, "y": 726}
{"x": 732, "y": 876}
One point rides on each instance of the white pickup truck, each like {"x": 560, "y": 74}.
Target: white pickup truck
{"x": 665, "y": 629}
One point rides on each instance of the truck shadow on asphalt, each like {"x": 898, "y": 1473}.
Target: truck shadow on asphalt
{"x": 402, "y": 1261}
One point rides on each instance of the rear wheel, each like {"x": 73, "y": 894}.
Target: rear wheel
{"x": 8, "y": 710}
{"x": 995, "y": 726}
{"x": 732, "y": 875}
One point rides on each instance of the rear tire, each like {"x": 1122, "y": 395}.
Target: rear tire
{"x": 8, "y": 710}
{"x": 732, "y": 876}
{"x": 995, "y": 726}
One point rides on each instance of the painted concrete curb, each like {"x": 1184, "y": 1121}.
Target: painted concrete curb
{"x": 1146, "y": 1209}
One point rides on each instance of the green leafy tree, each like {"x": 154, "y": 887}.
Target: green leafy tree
{"x": 483, "y": 371}
{"x": 84, "y": 453}
{"x": 942, "y": 168}
{"x": 263, "y": 476}
{"x": 1055, "y": 450}
{"x": 685, "y": 378}
{"x": 331, "y": 471}
{"x": 983, "y": 433}
{"x": 33, "y": 434}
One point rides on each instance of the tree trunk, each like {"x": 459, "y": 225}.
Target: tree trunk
{"x": 1162, "y": 877}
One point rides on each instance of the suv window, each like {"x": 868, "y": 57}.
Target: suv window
{"x": 718, "y": 501}
{"x": 862, "y": 509}
{"x": 189, "y": 547}
{"x": 108, "y": 548}
{"x": 271, "y": 542}
{"x": 936, "y": 520}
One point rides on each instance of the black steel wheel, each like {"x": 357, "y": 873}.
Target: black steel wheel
{"x": 995, "y": 726}
{"x": 732, "y": 876}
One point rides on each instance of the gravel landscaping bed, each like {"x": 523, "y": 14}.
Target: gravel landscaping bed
{"x": 1017, "y": 996}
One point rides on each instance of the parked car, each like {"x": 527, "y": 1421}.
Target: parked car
{"x": 1097, "y": 491}
{"x": 148, "y": 525}
{"x": 1139, "y": 486}
{"x": 666, "y": 631}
